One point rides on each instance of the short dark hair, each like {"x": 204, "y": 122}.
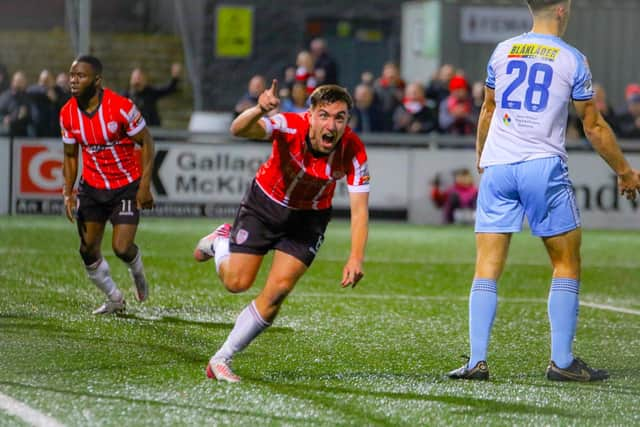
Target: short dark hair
{"x": 328, "y": 94}
{"x": 536, "y": 5}
{"x": 91, "y": 60}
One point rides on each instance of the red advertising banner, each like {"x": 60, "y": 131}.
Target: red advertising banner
{"x": 41, "y": 169}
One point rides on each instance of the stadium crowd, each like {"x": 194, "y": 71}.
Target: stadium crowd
{"x": 32, "y": 110}
{"x": 447, "y": 103}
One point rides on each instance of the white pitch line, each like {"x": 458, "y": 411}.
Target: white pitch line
{"x": 27, "y": 413}
{"x": 340, "y": 295}
{"x": 611, "y": 308}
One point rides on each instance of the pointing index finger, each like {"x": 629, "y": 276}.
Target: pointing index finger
{"x": 274, "y": 86}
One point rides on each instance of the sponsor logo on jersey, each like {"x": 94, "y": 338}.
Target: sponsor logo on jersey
{"x": 506, "y": 119}
{"x": 534, "y": 50}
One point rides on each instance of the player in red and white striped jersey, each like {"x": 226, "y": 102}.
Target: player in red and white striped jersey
{"x": 113, "y": 186}
{"x": 287, "y": 208}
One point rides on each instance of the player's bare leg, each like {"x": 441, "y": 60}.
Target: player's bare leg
{"x": 97, "y": 267}
{"x": 491, "y": 256}
{"x": 285, "y": 272}
{"x": 238, "y": 271}
{"x": 124, "y": 247}
{"x": 255, "y": 318}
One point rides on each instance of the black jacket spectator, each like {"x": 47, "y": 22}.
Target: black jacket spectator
{"x": 15, "y": 107}
{"x": 146, "y": 96}
{"x": 47, "y": 99}
{"x": 366, "y": 115}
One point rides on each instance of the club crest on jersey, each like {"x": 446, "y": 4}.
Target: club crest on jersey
{"x": 242, "y": 236}
{"x": 112, "y": 126}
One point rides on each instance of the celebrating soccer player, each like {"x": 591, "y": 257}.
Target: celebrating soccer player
{"x": 522, "y": 157}
{"x": 113, "y": 186}
{"x": 287, "y": 209}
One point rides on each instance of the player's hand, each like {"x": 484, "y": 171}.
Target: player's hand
{"x": 352, "y": 273}
{"x": 144, "y": 198}
{"x": 478, "y": 168}
{"x": 629, "y": 184}
{"x": 268, "y": 100}
{"x": 69, "y": 206}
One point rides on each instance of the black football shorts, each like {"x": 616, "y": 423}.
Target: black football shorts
{"x": 261, "y": 224}
{"x": 118, "y": 206}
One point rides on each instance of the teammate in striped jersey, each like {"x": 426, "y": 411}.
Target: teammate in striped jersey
{"x": 114, "y": 185}
{"x": 287, "y": 208}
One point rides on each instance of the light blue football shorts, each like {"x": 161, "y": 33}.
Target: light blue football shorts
{"x": 539, "y": 188}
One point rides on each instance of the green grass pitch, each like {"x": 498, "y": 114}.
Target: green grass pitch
{"x": 373, "y": 355}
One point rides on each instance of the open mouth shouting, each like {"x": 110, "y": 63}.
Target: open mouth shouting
{"x": 328, "y": 140}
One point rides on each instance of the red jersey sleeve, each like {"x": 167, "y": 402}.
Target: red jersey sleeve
{"x": 357, "y": 169}
{"x": 135, "y": 121}
{"x": 65, "y": 126}
{"x": 278, "y": 125}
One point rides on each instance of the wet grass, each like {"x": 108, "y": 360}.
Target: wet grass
{"x": 374, "y": 355}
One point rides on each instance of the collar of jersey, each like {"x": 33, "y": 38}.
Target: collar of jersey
{"x": 544, "y": 36}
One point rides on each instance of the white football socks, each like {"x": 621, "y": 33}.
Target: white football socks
{"x": 100, "y": 275}
{"x": 221, "y": 251}
{"x": 136, "y": 266}
{"x": 249, "y": 325}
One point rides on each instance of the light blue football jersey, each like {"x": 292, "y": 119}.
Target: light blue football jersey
{"x": 534, "y": 76}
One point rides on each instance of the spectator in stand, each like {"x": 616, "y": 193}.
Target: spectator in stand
{"x": 629, "y": 120}
{"x": 456, "y": 115}
{"x": 4, "y": 78}
{"x": 458, "y": 202}
{"x": 438, "y": 87}
{"x": 289, "y": 78}
{"x": 62, "y": 81}
{"x": 47, "y": 99}
{"x": 255, "y": 87}
{"x": 416, "y": 114}
{"x": 367, "y": 78}
{"x": 297, "y": 102}
{"x": 366, "y": 115}
{"x": 477, "y": 98}
{"x": 15, "y": 107}
{"x": 326, "y": 68}
{"x": 304, "y": 70}
{"x": 389, "y": 91}
{"x": 146, "y": 96}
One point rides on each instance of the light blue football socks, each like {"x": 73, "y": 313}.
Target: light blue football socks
{"x": 563, "y": 316}
{"x": 482, "y": 310}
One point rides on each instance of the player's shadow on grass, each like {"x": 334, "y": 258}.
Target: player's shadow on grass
{"x": 318, "y": 393}
{"x": 176, "y": 320}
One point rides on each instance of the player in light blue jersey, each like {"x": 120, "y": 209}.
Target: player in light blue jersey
{"x": 521, "y": 154}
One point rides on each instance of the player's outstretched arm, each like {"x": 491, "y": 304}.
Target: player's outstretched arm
{"x": 248, "y": 123}
{"x": 144, "y": 198}
{"x": 70, "y": 172}
{"x": 603, "y": 140}
{"x": 484, "y": 121}
{"x": 353, "y": 271}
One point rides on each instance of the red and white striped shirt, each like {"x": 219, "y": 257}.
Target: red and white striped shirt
{"x": 108, "y": 159}
{"x": 295, "y": 178}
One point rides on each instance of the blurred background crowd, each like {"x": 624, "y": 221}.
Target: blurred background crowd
{"x": 447, "y": 103}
